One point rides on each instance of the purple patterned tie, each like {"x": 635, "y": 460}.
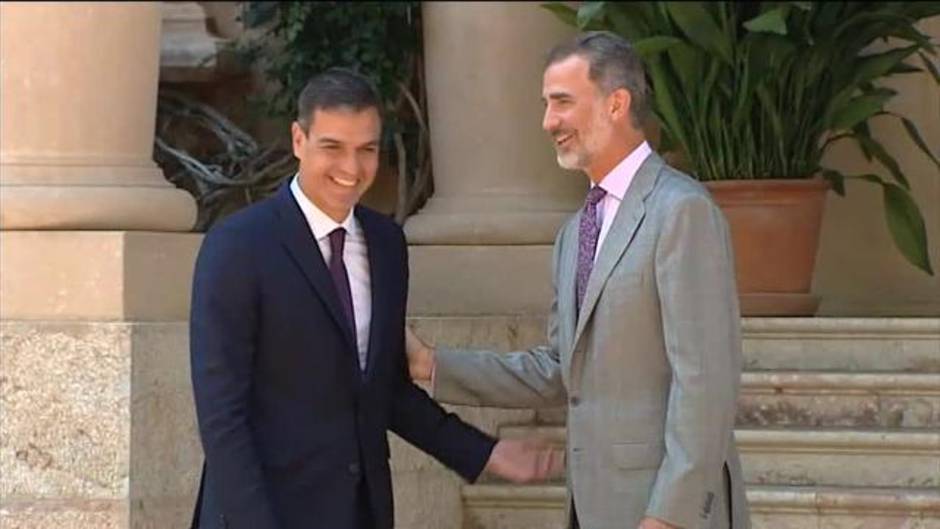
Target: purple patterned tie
{"x": 341, "y": 280}
{"x": 588, "y": 233}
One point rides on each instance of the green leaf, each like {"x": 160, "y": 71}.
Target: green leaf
{"x": 767, "y": 51}
{"x": 857, "y": 110}
{"x": 773, "y": 21}
{"x": 902, "y": 68}
{"x": 863, "y": 129}
{"x": 837, "y": 180}
{"x": 907, "y": 32}
{"x": 916, "y": 138}
{"x": 629, "y": 19}
{"x": 868, "y": 177}
{"x": 885, "y": 159}
{"x": 931, "y": 67}
{"x": 876, "y": 65}
{"x": 666, "y": 143}
{"x": 688, "y": 62}
{"x": 919, "y": 10}
{"x": 665, "y": 105}
{"x": 906, "y": 225}
{"x": 566, "y": 14}
{"x": 700, "y": 27}
{"x": 589, "y": 12}
{"x": 651, "y": 46}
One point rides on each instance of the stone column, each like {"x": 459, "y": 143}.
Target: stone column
{"x": 499, "y": 195}
{"x": 79, "y": 85}
{"x": 495, "y": 176}
{"x": 97, "y": 428}
{"x": 480, "y": 250}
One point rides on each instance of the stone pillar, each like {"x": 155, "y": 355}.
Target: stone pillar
{"x": 97, "y": 428}
{"x": 495, "y": 176}
{"x": 499, "y": 195}
{"x": 481, "y": 248}
{"x": 79, "y": 84}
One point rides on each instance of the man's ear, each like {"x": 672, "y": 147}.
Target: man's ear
{"x": 619, "y": 104}
{"x": 298, "y": 138}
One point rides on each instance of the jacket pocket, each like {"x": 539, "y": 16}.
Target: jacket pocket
{"x": 629, "y": 456}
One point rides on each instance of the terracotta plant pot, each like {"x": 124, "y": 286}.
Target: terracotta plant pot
{"x": 775, "y": 231}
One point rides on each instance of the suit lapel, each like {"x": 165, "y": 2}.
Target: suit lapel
{"x": 381, "y": 268}
{"x": 568, "y": 262}
{"x": 627, "y": 220}
{"x": 303, "y": 248}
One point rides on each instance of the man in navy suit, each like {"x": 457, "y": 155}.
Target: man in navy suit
{"x": 297, "y": 344}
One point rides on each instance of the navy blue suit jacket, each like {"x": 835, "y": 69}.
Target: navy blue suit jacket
{"x": 289, "y": 423}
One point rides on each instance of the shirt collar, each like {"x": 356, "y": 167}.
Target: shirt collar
{"x": 320, "y": 223}
{"x": 618, "y": 179}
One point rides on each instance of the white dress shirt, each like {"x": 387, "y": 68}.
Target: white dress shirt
{"x": 355, "y": 257}
{"x": 616, "y": 183}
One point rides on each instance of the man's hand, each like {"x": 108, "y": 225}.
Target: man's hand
{"x": 420, "y": 356}
{"x": 653, "y": 523}
{"x": 526, "y": 460}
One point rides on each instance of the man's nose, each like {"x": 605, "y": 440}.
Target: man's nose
{"x": 349, "y": 165}
{"x": 549, "y": 121}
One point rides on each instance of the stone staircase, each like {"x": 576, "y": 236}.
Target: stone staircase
{"x": 838, "y": 428}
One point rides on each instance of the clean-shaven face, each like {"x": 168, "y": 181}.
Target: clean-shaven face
{"x": 575, "y": 115}
{"x": 339, "y": 157}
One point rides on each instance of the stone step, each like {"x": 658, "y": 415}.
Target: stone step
{"x": 836, "y": 457}
{"x": 822, "y": 398}
{"x": 842, "y": 344}
{"x": 772, "y": 507}
{"x": 829, "y": 399}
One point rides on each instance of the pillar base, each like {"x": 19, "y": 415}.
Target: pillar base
{"x": 479, "y": 280}
{"x": 99, "y": 276}
{"x": 497, "y": 219}
{"x": 96, "y": 207}
{"x": 484, "y": 229}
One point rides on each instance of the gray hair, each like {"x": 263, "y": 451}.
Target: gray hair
{"x": 613, "y": 64}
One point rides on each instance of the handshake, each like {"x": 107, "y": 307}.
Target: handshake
{"x": 516, "y": 460}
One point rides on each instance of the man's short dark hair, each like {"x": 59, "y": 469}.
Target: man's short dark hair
{"x": 332, "y": 89}
{"x": 613, "y": 64}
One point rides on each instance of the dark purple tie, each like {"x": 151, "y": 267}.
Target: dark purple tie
{"x": 341, "y": 280}
{"x": 588, "y": 233}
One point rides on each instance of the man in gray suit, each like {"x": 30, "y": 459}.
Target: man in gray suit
{"x": 643, "y": 335}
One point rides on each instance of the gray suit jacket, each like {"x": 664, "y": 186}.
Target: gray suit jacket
{"x": 650, "y": 368}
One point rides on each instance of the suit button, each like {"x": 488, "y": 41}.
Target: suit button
{"x": 574, "y": 401}
{"x": 354, "y": 469}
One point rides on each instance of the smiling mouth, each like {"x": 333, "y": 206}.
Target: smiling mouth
{"x": 344, "y": 182}
{"x": 563, "y": 140}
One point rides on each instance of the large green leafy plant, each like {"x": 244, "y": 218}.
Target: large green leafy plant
{"x": 762, "y": 90}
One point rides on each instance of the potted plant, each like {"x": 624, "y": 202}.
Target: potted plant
{"x": 752, "y": 95}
